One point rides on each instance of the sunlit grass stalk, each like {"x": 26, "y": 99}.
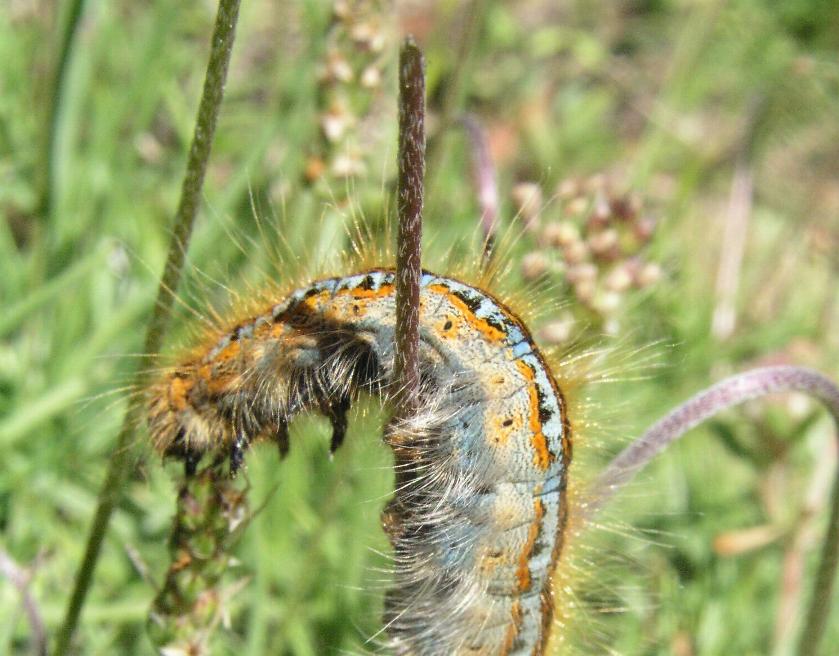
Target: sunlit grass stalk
{"x": 212, "y": 514}
{"x": 123, "y": 455}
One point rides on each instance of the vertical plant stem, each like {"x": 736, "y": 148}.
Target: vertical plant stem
{"x": 484, "y": 181}
{"x": 122, "y": 456}
{"x": 729, "y": 392}
{"x": 46, "y": 163}
{"x": 212, "y": 513}
{"x": 818, "y": 610}
{"x": 20, "y": 579}
{"x": 409, "y": 239}
{"x": 453, "y": 98}
{"x": 406, "y": 378}
{"x": 736, "y": 229}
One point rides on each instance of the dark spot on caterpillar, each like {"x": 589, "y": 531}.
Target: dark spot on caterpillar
{"x": 507, "y": 422}
{"x": 447, "y": 325}
{"x": 355, "y": 309}
{"x": 470, "y": 301}
{"x": 177, "y": 449}
{"x": 473, "y": 303}
{"x": 367, "y": 283}
{"x": 495, "y": 323}
{"x": 337, "y": 413}
{"x": 191, "y": 459}
{"x": 545, "y": 412}
{"x": 458, "y": 387}
{"x": 237, "y": 454}
{"x": 281, "y": 437}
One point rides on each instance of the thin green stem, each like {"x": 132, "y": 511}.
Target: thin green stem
{"x": 46, "y": 163}
{"x": 815, "y": 621}
{"x": 122, "y": 456}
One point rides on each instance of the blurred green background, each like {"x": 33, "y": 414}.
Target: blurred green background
{"x": 719, "y": 118}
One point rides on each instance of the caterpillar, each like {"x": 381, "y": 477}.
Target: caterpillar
{"x": 478, "y": 520}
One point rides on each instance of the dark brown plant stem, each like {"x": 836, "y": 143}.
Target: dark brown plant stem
{"x": 484, "y": 181}
{"x": 123, "y": 454}
{"x": 723, "y": 395}
{"x": 409, "y": 239}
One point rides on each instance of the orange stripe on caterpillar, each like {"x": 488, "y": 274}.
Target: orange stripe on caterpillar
{"x": 477, "y": 528}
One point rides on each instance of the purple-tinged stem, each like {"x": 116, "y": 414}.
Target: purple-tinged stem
{"x": 725, "y": 394}
{"x": 410, "y": 192}
{"x": 483, "y": 178}
{"x": 19, "y": 579}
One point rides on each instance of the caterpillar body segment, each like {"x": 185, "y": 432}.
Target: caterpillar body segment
{"x": 478, "y": 517}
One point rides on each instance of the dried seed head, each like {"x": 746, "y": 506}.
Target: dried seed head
{"x": 560, "y": 234}
{"x": 577, "y": 206}
{"x": 649, "y": 274}
{"x": 601, "y": 213}
{"x": 534, "y": 265}
{"x": 599, "y": 242}
{"x": 341, "y": 9}
{"x": 585, "y": 272}
{"x": 336, "y": 69}
{"x": 527, "y": 199}
{"x": 347, "y": 165}
{"x": 575, "y": 252}
{"x": 604, "y": 243}
{"x": 315, "y": 168}
{"x": 369, "y": 36}
{"x": 607, "y": 302}
{"x": 619, "y": 279}
{"x": 585, "y": 291}
{"x": 568, "y": 188}
{"x": 371, "y": 77}
{"x": 595, "y": 183}
{"x": 558, "y": 331}
{"x": 335, "y": 122}
{"x": 643, "y": 228}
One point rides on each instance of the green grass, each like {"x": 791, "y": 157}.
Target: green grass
{"x": 669, "y": 95}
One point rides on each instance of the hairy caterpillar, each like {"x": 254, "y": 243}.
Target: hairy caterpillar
{"x": 478, "y": 523}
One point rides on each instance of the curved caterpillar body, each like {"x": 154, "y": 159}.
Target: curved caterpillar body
{"x": 478, "y": 517}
